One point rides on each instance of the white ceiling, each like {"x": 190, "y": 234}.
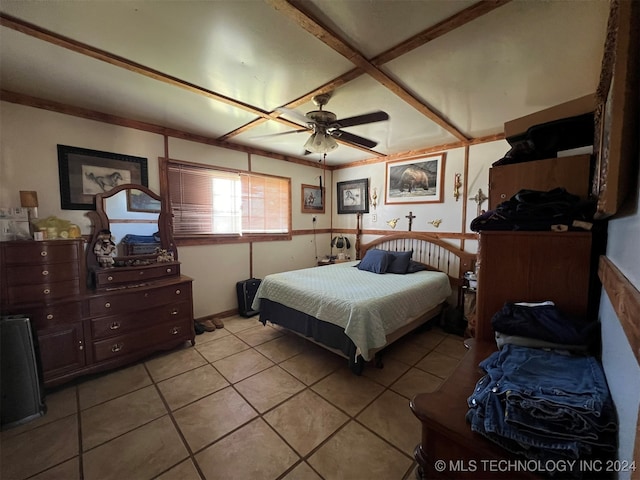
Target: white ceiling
{"x": 211, "y": 67}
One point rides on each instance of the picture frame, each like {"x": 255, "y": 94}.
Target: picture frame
{"x": 312, "y": 198}
{"x": 419, "y": 180}
{"x": 84, "y": 173}
{"x": 139, "y": 201}
{"x": 353, "y": 196}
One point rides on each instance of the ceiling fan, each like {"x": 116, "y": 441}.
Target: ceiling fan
{"x": 326, "y": 127}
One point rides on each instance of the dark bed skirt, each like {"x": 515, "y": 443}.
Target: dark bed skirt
{"x": 322, "y": 332}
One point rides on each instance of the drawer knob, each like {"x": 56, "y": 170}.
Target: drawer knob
{"x": 43, "y": 254}
{"x": 175, "y": 330}
{"x": 50, "y": 316}
{"x": 46, "y": 291}
{"x": 169, "y": 270}
{"x": 141, "y": 272}
{"x": 45, "y": 272}
{"x": 178, "y": 292}
{"x": 114, "y": 326}
{"x": 80, "y": 345}
{"x": 107, "y": 305}
{"x": 117, "y": 347}
{"x": 174, "y": 311}
{"x": 109, "y": 278}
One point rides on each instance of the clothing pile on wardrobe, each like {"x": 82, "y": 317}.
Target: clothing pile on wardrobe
{"x": 544, "y": 396}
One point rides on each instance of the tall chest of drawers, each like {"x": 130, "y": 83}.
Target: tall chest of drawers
{"x": 46, "y": 282}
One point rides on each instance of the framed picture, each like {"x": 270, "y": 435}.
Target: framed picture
{"x": 353, "y": 196}
{"x": 312, "y": 199}
{"x": 139, "y": 201}
{"x": 83, "y": 173}
{"x": 420, "y": 180}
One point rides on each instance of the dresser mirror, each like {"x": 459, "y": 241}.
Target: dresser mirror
{"x": 138, "y": 225}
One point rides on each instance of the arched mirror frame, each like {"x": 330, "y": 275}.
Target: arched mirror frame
{"x": 101, "y": 221}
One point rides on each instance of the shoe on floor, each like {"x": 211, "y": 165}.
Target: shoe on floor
{"x": 207, "y": 325}
{"x": 217, "y": 322}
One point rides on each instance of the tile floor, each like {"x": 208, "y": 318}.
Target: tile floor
{"x": 247, "y": 402}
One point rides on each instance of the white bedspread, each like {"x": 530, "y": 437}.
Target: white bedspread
{"x": 367, "y": 305}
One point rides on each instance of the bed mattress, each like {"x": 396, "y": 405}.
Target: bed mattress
{"x": 366, "y": 305}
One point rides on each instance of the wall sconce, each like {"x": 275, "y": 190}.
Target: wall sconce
{"x": 374, "y": 198}
{"x": 393, "y": 222}
{"x": 436, "y": 223}
{"x": 29, "y": 199}
{"x": 457, "y": 183}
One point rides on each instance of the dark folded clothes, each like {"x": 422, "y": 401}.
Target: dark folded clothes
{"x": 543, "y": 321}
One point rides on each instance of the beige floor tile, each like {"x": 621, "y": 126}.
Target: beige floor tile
{"x": 302, "y": 472}
{"x": 258, "y": 335}
{"x": 212, "y": 417}
{"x": 428, "y": 339}
{"x": 416, "y": 381}
{"x": 123, "y": 414}
{"x": 452, "y": 346}
{"x": 242, "y": 365}
{"x": 391, "y": 371}
{"x": 183, "y": 471}
{"x": 141, "y": 453}
{"x": 438, "y": 364}
{"x": 39, "y": 449}
{"x": 69, "y": 470}
{"x": 221, "y": 348}
{"x": 252, "y": 452}
{"x": 207, "y": 337}
{"x": 190, "y": 386}
{"x": 238, "y": 324}
{"x": 356, "y": 453}
{"x": 282, "y": 348}
{"x": 174, "y": 363}
{"x": 348, "y": 391}
{"x": 313, "y": 364}
{"x": 391, "y": 417}
{"x": 60, "y": 404}
{"x": 406, "y": 351}
{"x": 113, "y": 384}
{"x": 305, "y": 421}
{"x": 268, "y": 388}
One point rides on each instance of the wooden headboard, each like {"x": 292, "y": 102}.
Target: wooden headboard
{"x": 428, "y": 250}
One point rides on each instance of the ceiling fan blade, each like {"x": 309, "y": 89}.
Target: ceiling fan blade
{"x": 294, "y": 116}
{"x": 372, "y": 117}
{"x": 355, "y": 139}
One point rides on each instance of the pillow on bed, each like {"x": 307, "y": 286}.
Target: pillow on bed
{"x": 374, "y": 261}
{"x": 398, "y": 262}
{"x": 416, "y": 267}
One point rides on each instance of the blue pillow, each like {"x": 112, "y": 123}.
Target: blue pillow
{"x": 374, "y": 261}
{"x": 398, "y": 262}
{"x": 416, "y": 267}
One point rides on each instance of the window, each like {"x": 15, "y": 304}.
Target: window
{"x": 207, "y": 202}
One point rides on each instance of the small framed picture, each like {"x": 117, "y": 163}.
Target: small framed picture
{"x": 84, "y": 172}
{"x": 420, "y": 180}
{"x": 353, "y": 196}
{"x": 313, "y": 199}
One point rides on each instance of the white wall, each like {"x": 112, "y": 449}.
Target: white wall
{"x": 620, "y": 364}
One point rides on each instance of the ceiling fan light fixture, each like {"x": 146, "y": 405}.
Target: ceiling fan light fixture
{"x": 320, "y": 143}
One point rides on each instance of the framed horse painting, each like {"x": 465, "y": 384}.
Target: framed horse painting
{"x": 353, "y": 196}
{"x": 84, "y": 172}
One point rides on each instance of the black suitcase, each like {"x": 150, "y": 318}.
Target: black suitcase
{"x": 246, "y": 290}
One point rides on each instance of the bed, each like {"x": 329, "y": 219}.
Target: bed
{"x": 357, "y": 313}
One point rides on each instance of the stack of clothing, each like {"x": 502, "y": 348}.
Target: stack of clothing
{"x": 549, "y": 401}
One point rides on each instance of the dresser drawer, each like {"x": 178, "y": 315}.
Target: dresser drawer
{"x": 36, "y": 274}
{"x": 141, "y": 298}
{"x": 114, "y": 325}
{"x": 42, "y": 293}
{"x": 61, "y": 313}
{"x": 136, "y": 341}
{"x": 118, "y": 275}
{"x": 37, "y": 253}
